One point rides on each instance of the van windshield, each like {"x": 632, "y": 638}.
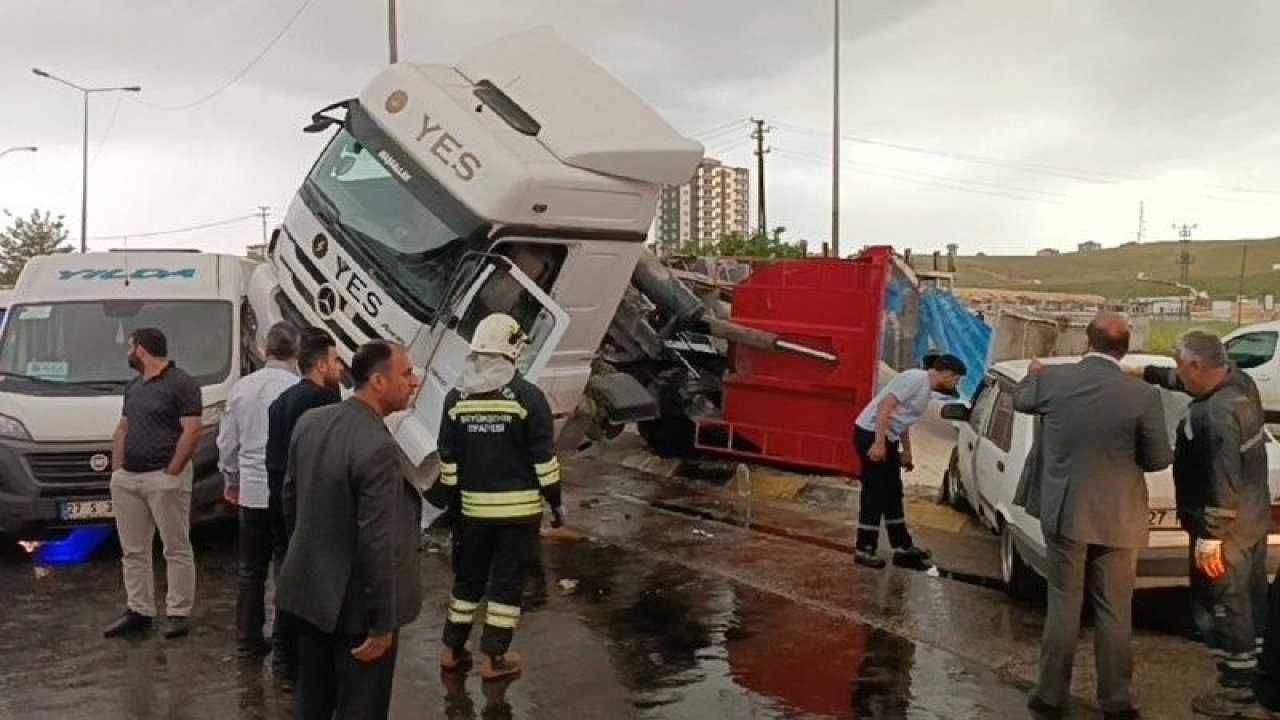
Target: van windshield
{"x": 87, "y": 342}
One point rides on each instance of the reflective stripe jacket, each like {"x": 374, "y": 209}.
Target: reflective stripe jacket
{"x": 497, "y": 455}
{"x": 1220, "y": 465}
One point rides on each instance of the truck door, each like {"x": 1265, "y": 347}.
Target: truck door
{"x": 498, "y": 286}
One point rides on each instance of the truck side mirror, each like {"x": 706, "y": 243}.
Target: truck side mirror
{"x": 956, "y": 411}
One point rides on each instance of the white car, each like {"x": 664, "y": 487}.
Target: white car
{"x": 992, "y": 447}
{"x": 1253, "y": 349}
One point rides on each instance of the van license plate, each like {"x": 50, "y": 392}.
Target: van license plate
{"x": 1163, "y": 519}
{"x": 85, "y": 509}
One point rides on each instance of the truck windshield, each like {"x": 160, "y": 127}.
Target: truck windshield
{"x": 400, "y": 224}
{"x": 86, "y": 342}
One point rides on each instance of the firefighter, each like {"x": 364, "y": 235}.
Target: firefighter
{"x": 497, "y": 462}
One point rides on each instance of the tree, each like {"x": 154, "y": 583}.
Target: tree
{"x": 25, "y": 238}
{"x": 757, "y": 244}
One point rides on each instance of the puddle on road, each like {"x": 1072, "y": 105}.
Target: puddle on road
{"x": 686, "y": 645}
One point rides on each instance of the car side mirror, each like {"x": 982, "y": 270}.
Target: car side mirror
{"x": 956, "y": 411}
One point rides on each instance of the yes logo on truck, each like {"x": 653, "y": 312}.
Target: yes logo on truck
{"x": 444, "y": 146}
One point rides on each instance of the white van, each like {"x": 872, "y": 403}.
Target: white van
{"x": 6, "y": 296}
{"x": 1253, "y": 349}
{"x": 63, "y": 371}
{"x": 992, "y": 447}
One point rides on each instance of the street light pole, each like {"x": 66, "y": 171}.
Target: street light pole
{"x": 23, "y": 148}
{"x": 84, "y": 146}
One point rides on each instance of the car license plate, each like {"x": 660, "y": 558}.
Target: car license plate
{"x": 1163, "y": 519}
{"x": 85, "y": 509}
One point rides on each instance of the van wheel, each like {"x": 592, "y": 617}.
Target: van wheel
{"x": 1020, "y": 580}
{"x": 952, "y": 490}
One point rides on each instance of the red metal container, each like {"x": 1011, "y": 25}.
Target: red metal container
{"x": 784, "y": 408}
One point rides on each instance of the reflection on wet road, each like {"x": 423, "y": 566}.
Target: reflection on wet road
{"x": 637, "y": 637}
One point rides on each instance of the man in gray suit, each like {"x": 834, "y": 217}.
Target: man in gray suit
{"x": 350, "y": 575}
{"x": 1100, "y": 431}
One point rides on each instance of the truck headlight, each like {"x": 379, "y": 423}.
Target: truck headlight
{"x": 211, "y": 414}
{"x": 12, "y": 427}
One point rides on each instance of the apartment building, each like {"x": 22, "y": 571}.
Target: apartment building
{"x": 715, "y": 203}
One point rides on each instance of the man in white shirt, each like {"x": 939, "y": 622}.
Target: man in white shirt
{"x": 242, "y": 457}
{"x": 882, "y": 436}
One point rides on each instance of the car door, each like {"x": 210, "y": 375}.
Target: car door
{"x": 496, "y": 286}
{"x": 970, "y": 433}
{"x": 1255, "y": 353}
{"x": 993, "y": 467}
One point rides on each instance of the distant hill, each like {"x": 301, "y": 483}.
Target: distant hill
{"x": 1113, "y": 271}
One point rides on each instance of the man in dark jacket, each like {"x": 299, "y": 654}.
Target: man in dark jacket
{"x": 350, "y": 576}
{"x": 321, "y": 369}
{"x": 497, "y": 457}
{"x": 1224, "y": 504}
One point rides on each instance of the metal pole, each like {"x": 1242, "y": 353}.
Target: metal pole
{"x": 84, "y": 179}
{"x": 1244, "y": 258}
{"x": 391, "y": 31}
{"x": 835, "y": 139}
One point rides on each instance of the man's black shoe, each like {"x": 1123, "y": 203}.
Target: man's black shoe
{"x": 1043, "y": 709}
{"x": 913, "y": 558}
{"x": 128, "y": 624}
{"x": 177, "y": 627}
{"x": 868, "y": 559}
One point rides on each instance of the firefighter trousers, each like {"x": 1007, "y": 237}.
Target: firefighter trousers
{"x": 490, "y": 562}
{"x": 881, "y": 496}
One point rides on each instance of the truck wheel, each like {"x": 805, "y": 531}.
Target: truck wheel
{"x": 669, "y": 436}
{"x": 1020, "y": 580}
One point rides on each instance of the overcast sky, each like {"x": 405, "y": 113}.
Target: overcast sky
{"x": 1002, "y": 126}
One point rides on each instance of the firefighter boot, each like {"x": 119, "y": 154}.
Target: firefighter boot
{"x": 501, "y": 666}
{"x": 455, "y": 659}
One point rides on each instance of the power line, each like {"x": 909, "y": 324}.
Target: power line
{"x": 111, "y": 123}
{"x": 937, "y": 181}
{"x": 1069, "y": 173}
{"x": 719, "y": 129}
{"x": 243, "y": 71}
{"x": 157, "y": 233}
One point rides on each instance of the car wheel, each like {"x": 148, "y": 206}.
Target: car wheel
{"x": 1020, "y": 580}
{"x": 952, "y": 490}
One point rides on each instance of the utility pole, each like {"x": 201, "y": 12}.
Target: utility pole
{"x": 1185, "y": 259}
{"x": 392, "y": 33}
{"x": 761, "y": 150}
{"x": 1142, "y": 221}
{"x": 1244, "y": 259}
{"x": 263, "y": 210}
{"x": 835, "y": 136}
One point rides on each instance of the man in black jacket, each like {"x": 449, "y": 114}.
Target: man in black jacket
{"x": 497, "y": 458}
{"x": 350, "y": 576}
{"x": 1224, "y": 504}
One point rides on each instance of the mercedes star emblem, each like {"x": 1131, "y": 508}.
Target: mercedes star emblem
{"x": 326, "y": 301}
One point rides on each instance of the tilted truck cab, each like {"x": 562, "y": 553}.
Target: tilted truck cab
{"x": 522, "y": 180}
{"x": 63, "y": 371}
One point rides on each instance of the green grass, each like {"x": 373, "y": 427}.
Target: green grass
{"x": 1113, "y": 272}
{"x": 1164, "y": 333}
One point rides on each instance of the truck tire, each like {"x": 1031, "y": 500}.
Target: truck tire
{"x": 671, "y": 436}
{"x": 1021, "y": 582}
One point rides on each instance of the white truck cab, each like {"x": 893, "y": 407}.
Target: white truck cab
{"x": 524, "y": 179}
{"x": 1253, "y": 349}
{"x": 63, "y": 372}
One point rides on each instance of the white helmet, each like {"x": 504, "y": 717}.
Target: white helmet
{"x": 499, "y": 334}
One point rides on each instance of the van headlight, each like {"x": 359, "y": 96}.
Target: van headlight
{"x": 211, "y": 414}
{"x": 12, "y": 427}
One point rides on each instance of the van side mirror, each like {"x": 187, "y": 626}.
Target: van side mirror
{"x": 956, "y": 411}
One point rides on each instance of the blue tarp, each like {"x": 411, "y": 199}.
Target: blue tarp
{"x": 947, "y": 325}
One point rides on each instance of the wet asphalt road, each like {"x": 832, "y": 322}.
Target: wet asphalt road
{"x": 672, "y": 617}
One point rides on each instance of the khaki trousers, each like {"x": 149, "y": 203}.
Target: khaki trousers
{"x": 143, "y": 503}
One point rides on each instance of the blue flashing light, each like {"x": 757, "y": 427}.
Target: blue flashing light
{"x": 76, "y": 547}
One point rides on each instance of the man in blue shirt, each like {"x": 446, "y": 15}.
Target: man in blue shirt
{"x": 882, "y": 436}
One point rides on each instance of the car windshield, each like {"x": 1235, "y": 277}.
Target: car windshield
{"x": 401, "y": 225}
{"x": 87, "y": 342}
{"x": 1252, "y": 349}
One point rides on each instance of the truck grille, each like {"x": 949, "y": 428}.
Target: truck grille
{"x": 69, "y": 468}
